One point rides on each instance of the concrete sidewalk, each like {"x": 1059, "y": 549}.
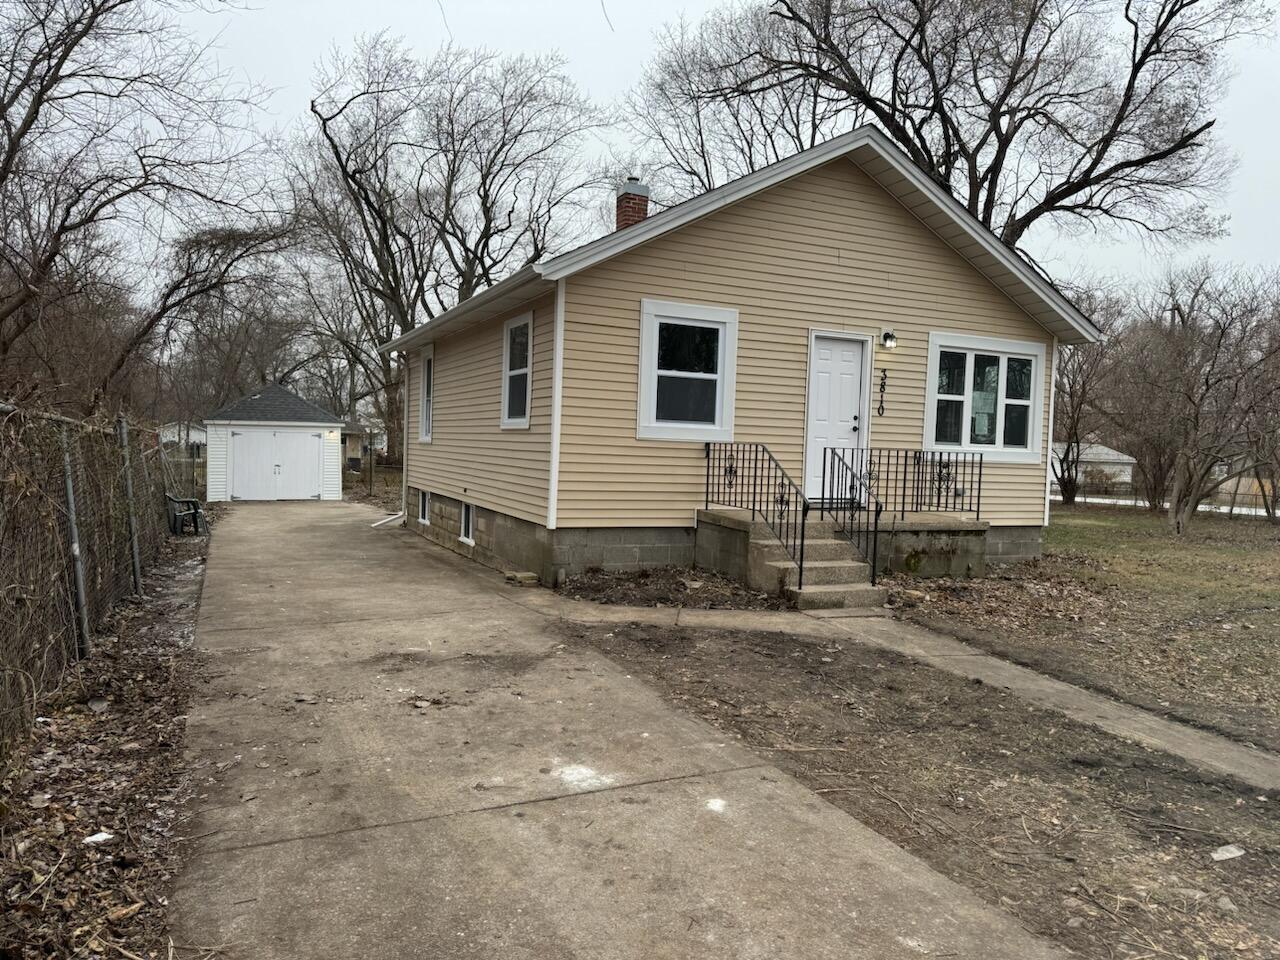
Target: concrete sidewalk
{"x": 398, "y": 758}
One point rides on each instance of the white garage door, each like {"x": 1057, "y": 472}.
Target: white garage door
{"x": 276, "y": 464}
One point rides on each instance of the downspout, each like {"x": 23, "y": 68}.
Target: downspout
{"x": 403, "y": 515}
{"x": 1048, "y": 461}
{"x": 557, "y": 403}
{"x": 404, "y": 441}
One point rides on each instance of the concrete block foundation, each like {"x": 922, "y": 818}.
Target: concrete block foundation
{"x": 1014, "y": 544}
{"x": 510, "y": 543}
{"x": 924, "y": 546}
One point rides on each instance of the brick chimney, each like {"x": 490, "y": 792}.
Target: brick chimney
{"x": 633, "y": 202}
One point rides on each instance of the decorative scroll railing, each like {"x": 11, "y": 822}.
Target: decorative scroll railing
{"x": 850, "y": 502}
{"x": 748, "y": 476}
{"x": 916, "y": 481}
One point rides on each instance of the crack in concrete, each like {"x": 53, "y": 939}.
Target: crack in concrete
{"x": 511, "y": 805}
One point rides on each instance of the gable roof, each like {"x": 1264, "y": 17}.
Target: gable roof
{"x": 272, "y": 403}
{"x": 1097, "y": 453}
{"x": 877, "y": 157}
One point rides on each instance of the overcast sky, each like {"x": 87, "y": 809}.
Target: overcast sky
{"x": 607, "y": 44}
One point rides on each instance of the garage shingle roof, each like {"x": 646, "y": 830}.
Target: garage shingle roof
{"x": 272, "y": 403}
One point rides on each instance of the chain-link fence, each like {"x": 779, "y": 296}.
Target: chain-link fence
{"x": 1241, "y": 501}
{"x": 67, "y": 488}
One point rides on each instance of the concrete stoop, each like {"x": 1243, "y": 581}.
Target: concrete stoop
{"x": 734, "y": 544}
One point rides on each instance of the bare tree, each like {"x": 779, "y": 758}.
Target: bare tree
{"x": 1195, "y": 376}
{"x": 1081, "y": 372}
{"x": 1085, "y": 112}
{"x": 120, "y": 144}
{"x": 698, "y": 136}
{"x": 428, "y": 180}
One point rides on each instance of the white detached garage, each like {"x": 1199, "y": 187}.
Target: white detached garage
{"x": 273, "y": 445}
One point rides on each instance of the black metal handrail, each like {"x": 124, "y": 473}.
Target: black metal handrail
{"x": 918, "y": 481}
{"x": 749, "y": 477}
{"x": 848, "y": 498}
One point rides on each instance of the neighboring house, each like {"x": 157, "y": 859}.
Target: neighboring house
{"x": 358, "y": 440}
{"x": 354, "y": 441}
{"x": 1099, "y": 464}
{"x": 273, "y": 445}
{"x": 580, "y": 412}
{"x": 186, "y": 437}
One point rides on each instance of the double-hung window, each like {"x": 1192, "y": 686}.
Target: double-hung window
{"x": 687, "y": 365}
{"x": 983, "y": 396}
{"x": 426, "y": 386}
{"x": 517, "y": 371}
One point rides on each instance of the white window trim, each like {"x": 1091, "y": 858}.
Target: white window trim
{"x": 424, "y": 508}
{"x": 507, "y": 422}
{"x": 424, "y": 416}
{"x": 939, "y": 341}
{"x": 465, "y": 537}
{"x": 693, "y": 314}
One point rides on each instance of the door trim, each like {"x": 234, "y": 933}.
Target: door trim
{"x": 864, "y": 413}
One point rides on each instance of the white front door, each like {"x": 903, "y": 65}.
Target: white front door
{"x": 835, "y": 403}
{"x": 253, "y": 470}
{"x": 298, "y": 465}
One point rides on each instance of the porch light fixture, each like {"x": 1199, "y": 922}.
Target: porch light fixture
{"x": 888, "y": 339}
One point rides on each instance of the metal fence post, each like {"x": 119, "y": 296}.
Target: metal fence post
{"x": 77, "y": 561}
{"x": 122, "y": 431}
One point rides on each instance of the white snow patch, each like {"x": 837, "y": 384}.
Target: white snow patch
{"x": 583, "y": 777}
{"x": 715, "y": 805}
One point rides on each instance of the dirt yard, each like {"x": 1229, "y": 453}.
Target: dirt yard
{"x": 668, "y": 587}
{"x": 1099, "y": 845}
{"x": 384, "y": 494}
{"x": 1188, "y": 627}
{"x": 88, "y": 806}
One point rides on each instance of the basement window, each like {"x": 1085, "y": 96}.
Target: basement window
{"x": 468, "y": 525}
{"x": 424, "y": 507}
{"x": 687, "y": 366}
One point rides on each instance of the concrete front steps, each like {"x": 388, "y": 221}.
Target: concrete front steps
{"x": 834, "y": 574}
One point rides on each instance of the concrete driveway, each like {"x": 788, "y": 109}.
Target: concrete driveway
{"x": 398, "y": 756}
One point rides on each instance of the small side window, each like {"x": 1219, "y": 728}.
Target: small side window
{"x": 427, "y": 375}
{"x": 517, "y": 371}
{"x": 424, "y": 507}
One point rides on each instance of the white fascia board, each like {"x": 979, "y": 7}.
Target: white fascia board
{"x": 678, "y": 216}
{"x": 530, "y": 275}
{"x": 620, "y": 241}
{"x": 675, "y": 217}
{"x": 1007, "y": 258}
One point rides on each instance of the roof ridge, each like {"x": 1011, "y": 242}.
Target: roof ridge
{"x": 317, "y": 413}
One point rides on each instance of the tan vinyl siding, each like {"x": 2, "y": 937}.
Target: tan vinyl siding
{"x": 828, "y": 250}
{"x": 470, "y": 457}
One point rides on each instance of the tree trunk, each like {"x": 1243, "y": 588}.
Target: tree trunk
{"x": 393, "y": 415}
{"x": 1069, "y": 486}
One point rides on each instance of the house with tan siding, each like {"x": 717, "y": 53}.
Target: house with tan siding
{"x": 824, "y": 369}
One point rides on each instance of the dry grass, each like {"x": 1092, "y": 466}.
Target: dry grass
{"x": 1186, "y": 626}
